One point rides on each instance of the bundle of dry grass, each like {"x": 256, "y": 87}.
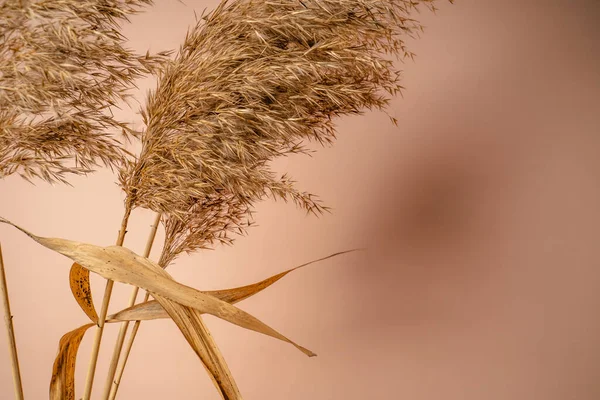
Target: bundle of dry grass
{"x": 253, "y": 80}
{"x": 64, "y": 65}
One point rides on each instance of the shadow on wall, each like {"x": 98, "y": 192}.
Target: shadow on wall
{"x": 483, "y": 259}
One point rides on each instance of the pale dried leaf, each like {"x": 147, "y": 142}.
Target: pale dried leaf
{"x": 189, "y": 322}
{"x": 145, "y": 311}
{"x": 123, "y": 265}
{"x": 194, "y": 330}
{"x": 150, "y": 310}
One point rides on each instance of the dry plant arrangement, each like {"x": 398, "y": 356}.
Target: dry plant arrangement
{"x": 253, "y": 80}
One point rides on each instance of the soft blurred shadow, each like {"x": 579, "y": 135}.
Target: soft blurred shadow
{"x": 483, "y": 272}
{"x": 481, "y": 216}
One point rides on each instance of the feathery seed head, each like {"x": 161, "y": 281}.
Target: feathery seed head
{"x": 64, "y": 65}
{"x": 252, "y": 81}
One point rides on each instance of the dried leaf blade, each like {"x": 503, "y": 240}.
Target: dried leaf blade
{"x": 152, "y": 309}
{"x": 190, "y": 323}
{"x": 123, "y": 265}
{"x": 62, "y": 383}
{"x": 79, "y": 281}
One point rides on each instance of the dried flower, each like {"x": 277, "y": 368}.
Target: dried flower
{"x": 207, "y": 222}
{"x": 64, "y": 65}
{"x": 253, "y": 80}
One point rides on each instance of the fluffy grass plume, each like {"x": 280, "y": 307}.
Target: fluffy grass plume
{"x": 64, "y": 65}
{"x": 253, "y": 81}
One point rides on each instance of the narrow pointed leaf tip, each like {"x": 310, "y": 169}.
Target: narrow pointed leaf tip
{"x": 152, "y": 309}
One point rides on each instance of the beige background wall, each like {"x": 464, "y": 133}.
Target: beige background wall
{"x": 481, "y": 216}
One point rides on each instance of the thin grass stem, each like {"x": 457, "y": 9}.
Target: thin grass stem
{"x": 125, "y": 325}
{"x": 125, "y": 356}
{"x": 104, "y": 310}
{"x": 14, "y": 359}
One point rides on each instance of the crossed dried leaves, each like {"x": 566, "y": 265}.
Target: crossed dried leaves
{"x": 182, "y": 303}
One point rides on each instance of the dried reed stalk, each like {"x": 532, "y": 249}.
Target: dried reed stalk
{"x": 103, "y": 311}
{"x": 116, "y": 381}
{"x": 125, "y": 325}
{"x": 12, "y": 343}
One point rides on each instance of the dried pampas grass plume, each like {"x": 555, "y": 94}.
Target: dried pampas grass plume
{"x": 64, "y": 65}
{"x": 252, "y": 81}
{"x": 206, "y": 223}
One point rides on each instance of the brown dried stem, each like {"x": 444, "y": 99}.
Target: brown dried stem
{"x": 103, "y": 311}
{"x": 125, "y": 356}
{"x": 12, "y": 344}
{"x": 123, "y": 329}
